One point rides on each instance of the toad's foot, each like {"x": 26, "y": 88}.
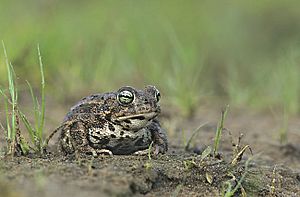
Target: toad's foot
{"x": 159, "y": 138}
{"x": 104, "y": 152}
{"x": 141, "y": 152}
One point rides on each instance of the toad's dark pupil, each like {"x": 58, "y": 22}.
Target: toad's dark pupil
{"x": 125, "y": 97}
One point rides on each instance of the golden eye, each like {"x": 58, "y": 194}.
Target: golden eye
{"x": 157, "y": 95}
{"x": 125, "y": 97}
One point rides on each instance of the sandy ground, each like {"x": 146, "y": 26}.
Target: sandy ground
{"x": 273, "y": 171}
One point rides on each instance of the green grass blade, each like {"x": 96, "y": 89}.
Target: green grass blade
{"x": 35, "y": 106}
{"x": 149, "y": 151}
{"x": 9, "y": 134}
{"x": 219, "y": 130}
{"x": 13, "y": 78}
{"x": 187, "y": 146}
{"x": 13, "y": 95}
{"x": 13, "y": 98}
{"x": 9, "y": 74}
{"x": 28, "y": 126}
{"x": 42, "y": 115}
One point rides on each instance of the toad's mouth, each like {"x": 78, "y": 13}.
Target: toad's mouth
{"x": 143, "y": 116}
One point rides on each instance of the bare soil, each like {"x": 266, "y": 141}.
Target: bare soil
{"x": 274, "y": 170}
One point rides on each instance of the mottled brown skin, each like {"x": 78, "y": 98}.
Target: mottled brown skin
{"x": 121, "y": 122}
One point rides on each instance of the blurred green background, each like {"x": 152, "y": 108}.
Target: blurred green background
{"x": 245, "y": 53}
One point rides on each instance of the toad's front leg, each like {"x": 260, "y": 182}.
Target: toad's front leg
{"x": 159, "y": 137}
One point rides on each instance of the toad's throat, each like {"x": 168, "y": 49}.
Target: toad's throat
{"x": 144, "y": 116}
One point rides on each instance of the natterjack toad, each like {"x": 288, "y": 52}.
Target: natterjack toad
{"x": 121, "y": 122}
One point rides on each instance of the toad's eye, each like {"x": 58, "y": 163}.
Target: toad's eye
{"x": 125, "y": 97}
{"x": 157, "y": 95}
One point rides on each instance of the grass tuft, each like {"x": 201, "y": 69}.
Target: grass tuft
{"x": 10, "y": 110}
{"x": 219, "y": 130}
{"x": 36, "y": 131}
{"x": 14, "y": 114}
